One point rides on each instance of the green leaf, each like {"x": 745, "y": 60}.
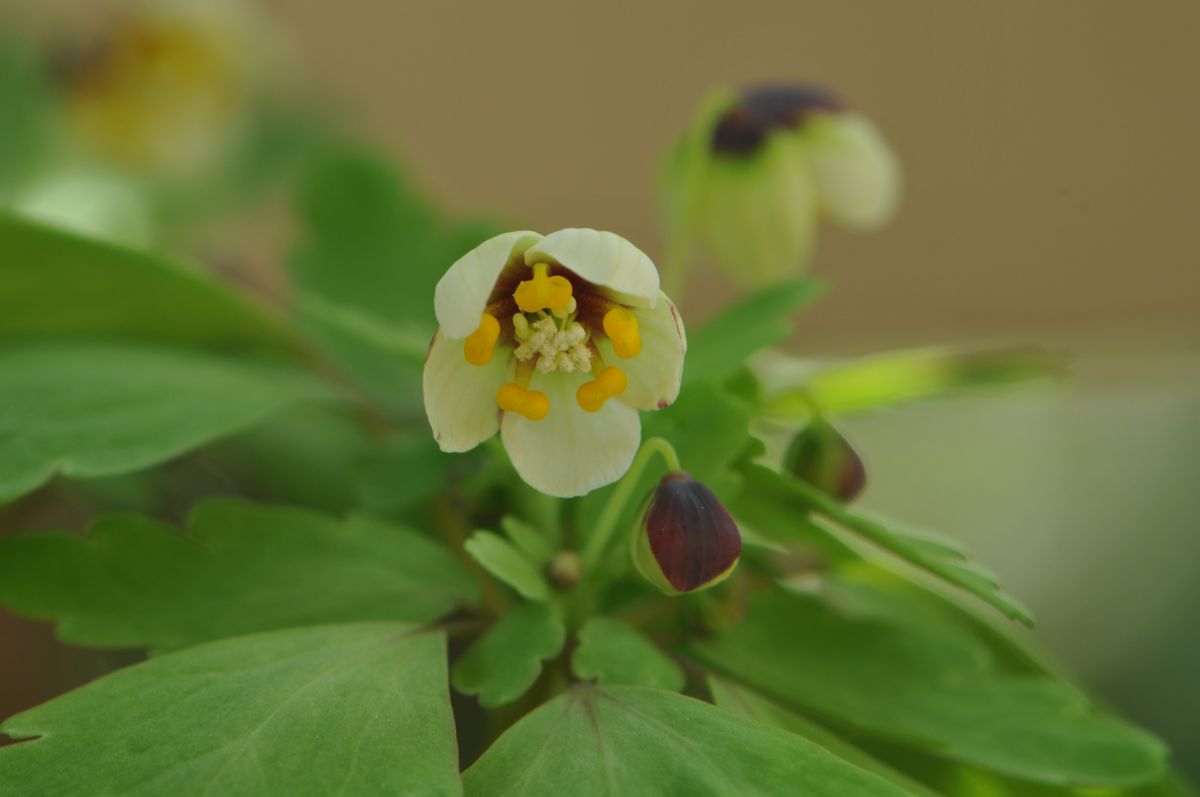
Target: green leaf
{"x": 723, "y": 345}
{"x": 25, "y": 123}
{"x": 498, "y": 556}
{"x": 505, "y": 662}
{"x": 612, "y": 652}
{"x": 349, "y": 709}
{"x": 372, "y": 251}
{"x": 533, "y": 543}
{"x": 57, "y": 284}
{"x": 97, "y": 409}
{"x": 745, "y": 703}
{"x": 633, "y": 741}
{"x": 933, "y": 688}
{"x": 405, "y": 471}
{"x": 239, "y": 568}
{"x": 893, "y": 378}
{"x": 935, "y": 555}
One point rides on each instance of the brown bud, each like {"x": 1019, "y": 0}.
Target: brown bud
{"x": 823, "y": 457}
{"x": 688, "y": 540}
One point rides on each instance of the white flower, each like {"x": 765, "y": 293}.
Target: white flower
{"x": 556, "y": 342}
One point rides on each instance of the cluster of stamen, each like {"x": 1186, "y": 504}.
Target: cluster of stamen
{"x": 549, "y": 338}
{"x": 556, "y": 348}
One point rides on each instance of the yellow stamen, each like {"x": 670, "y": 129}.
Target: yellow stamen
{"x": 480, "y": 343}
{"x": 608, "y": 383}
{"x": 531, "y": 403}
{"x": 621, "y": 326}
{"x": 543, "y": 291}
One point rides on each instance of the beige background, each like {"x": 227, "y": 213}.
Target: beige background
{"x": 1050, "y": 146}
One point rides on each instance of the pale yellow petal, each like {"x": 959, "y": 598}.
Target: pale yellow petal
{"x": 602, "y": 258}
{"x": 460, "y": 398}
{"x": 655, "y": 373}
{"x": 462, "y": 292}
{"x": 571, "y": 452}
{"x": 857, "y": 174}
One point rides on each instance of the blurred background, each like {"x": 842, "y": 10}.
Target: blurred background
{"x": 1050, "y": 161}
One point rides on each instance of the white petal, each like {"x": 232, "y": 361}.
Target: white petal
{"x": 460, "y": 398}
{"x": 857, "y": 174}
{"x": 463, "y": 291}
{"x": 571, "y": 452}
{"x": 603, "y": 258}
{"x": 655, "y": 373}
{"x": 759, "y": 215}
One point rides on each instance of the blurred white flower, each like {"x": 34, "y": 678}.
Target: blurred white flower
{"x": 758, "y": 169}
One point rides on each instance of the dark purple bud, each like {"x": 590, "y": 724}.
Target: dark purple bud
{"x": 760, "y": 110}
{"x": 688, "y": 540}
{"x": 823, "y": 457}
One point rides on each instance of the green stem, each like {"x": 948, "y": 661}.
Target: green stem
{"x": 606, "y": 526}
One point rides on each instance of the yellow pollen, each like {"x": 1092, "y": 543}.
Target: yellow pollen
{"x": 608, "y": 383}
{"x": 479, "y": 344}
{"x": 621, "y": 326}
{"x": 543, "y": 291}
{"x": 531, "y": 403}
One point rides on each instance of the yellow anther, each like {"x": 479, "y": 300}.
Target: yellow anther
{"x": 479, "y": 344}
{"x": 531, "y": 403}
{"x": 621, "y": 326}
{"x": 608, "y": 383}
{"x": 543, "y": 291}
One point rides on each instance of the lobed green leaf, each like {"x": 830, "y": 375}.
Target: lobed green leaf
{"x": 101, "y": 409}
{"x": 347, "y": 709}
{"x": 932, "y": 688}
{"x": 632, "y": 741}
{"x": 240, "y": 568}
{"x": 505, "y": 662}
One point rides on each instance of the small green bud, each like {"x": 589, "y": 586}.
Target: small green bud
{"x": 687, "y": 540}
{"x": 823, "y": 457}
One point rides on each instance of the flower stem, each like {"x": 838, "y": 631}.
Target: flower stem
{"x": 606, "y": 526}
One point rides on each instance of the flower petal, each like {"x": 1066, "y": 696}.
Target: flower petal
{"x": 602, "y": 258}
{"x": 462, "y": 292}
{"x": 759, "y": 215}
{"x": 571, "y": 452}
{"x": 460, "y": 398}
{"x": 857, "y": 174}
{"x": 655, "y": 373}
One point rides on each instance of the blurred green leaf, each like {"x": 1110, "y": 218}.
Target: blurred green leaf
{"x": 57, "y": 284}
{"x": 404, "y": 471}
{"x": 532, "y": 542}
{"x": 938, "y": 556}
{"x": 612, "y": 652}
{"x": 632, "y": 741}
{"x": 709, "y": 457}
{"x": 935, "y": 690}
{"x": 347, "y": 709}
{"x": 722, "y": 346}
{"x": 498, "y": 556}
{"x": 505, "y": 662}
{"x": 371, "y": 253}
{"x": 896, "y": 377}
{"x": 98, "y": 409}
{"x": 239, "y": 568}
{"x": 749, "y": 704}
{"x": 25, "y": 121}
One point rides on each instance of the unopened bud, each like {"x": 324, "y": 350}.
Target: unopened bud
{"x": 823, "y": 457}
{"x": 688, "y": 540}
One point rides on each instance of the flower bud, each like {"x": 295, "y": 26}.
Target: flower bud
{"x": 823, "y": 457}
{"x": 760, "y": 167}
{"x": 688, "y": 540}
